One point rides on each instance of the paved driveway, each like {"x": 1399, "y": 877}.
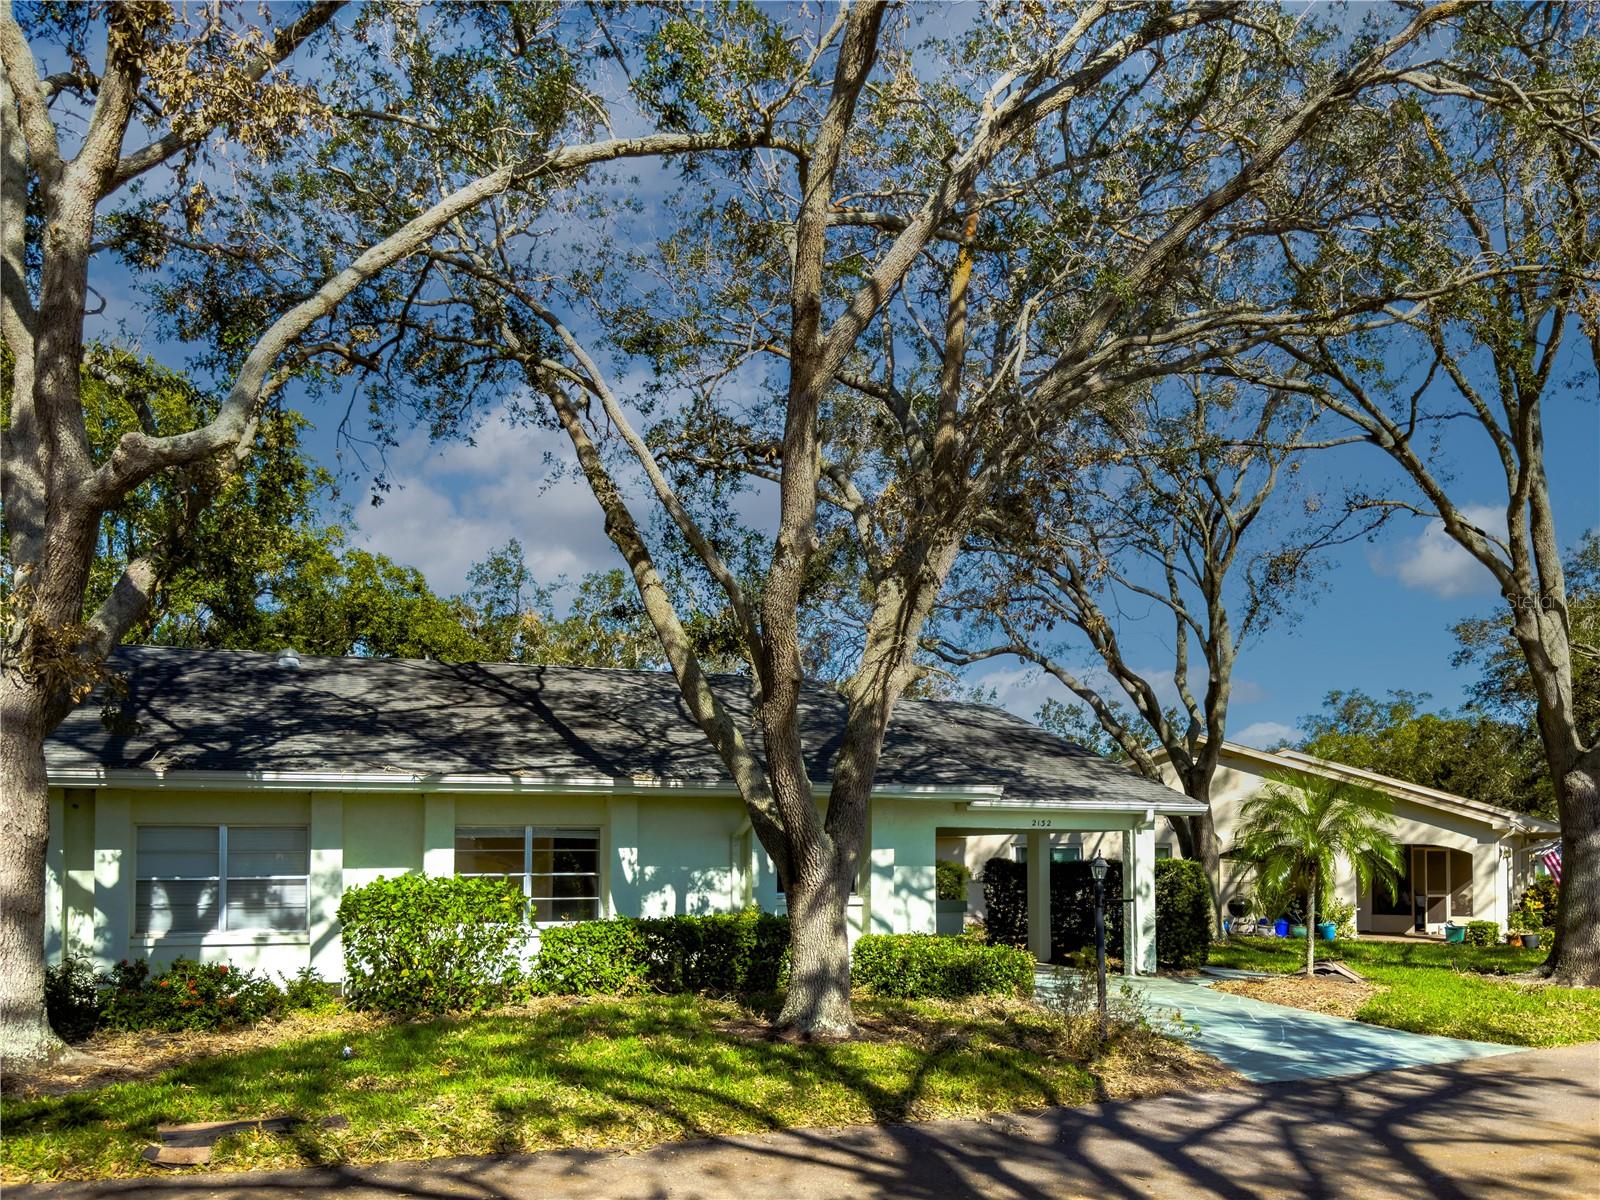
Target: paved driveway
{"x": 1521, "y": 1127}
{"x": 1268, "y": 1042}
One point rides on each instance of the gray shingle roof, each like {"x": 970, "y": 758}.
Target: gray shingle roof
{"x": 216, "y": 710}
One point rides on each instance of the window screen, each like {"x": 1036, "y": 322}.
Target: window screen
{"x": 197, "y": 879}
{"x": 558, "y": 869}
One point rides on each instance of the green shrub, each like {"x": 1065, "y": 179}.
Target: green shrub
{"x": 72, "y": 998}
{"x": 427, "y": 944}
{"x": 951, "y": 879}
{"x": 1183, "y": 914}
{"x": 723, "y": 955}
{"x": 307, "y": 991}
{"x": 1183, "y": 908}
{"x": 187, "y": 996}
{"x": 922, "y": 966}
{"x": 591, "y": 958}
{"x": 1005, "y": 898}
{"x": 1541, "y": 902}
{"x": 1483, "y": 933}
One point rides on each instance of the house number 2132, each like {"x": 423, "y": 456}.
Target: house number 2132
{"x": 1041, "y": 823}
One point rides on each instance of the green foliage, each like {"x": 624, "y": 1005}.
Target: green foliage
{"x": 1541, "y": 902}
{"x": 1483, "y": 933}
{"x": 307, "y": 991}
{"x": 590, "y": 958}
{"x": 1295, "y": 830}
{"x": 951, "y": 879}
{"x": 921, "y": 966}
{"x": 1005, "y": 897}
{"x": 421, "y": 944}
{"x": 1469, "y": 752}
{"x": 726, "y": 954}
{"x": 187, "y": 996}
{"x": 1183, "y": 913}
{"x": 72, "y": 998}
{"x": 1183, "y": 908}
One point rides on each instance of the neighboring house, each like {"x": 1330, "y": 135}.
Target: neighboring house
{"x": 220, "y": 807}
{"x": 1464, "y": 860}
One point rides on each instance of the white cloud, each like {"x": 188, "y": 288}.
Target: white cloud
{"x": 454, "y": 503}
{"x": 1264, "y": 734}
{"x": 1433, "y": 561}
{"x": 1247, "y": 691}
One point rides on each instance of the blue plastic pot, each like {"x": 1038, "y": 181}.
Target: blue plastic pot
{"x": 1280, "y": 928}
{"x": 1327, "y": 930}
{"x": 1455, "y": 933}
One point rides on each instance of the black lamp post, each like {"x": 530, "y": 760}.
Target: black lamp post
{"x": 1097, "y": 869}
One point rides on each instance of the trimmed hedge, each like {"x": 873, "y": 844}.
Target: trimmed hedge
{"x": 425, "y": 944}
{"x": 1483, "y": 933}
{"x": 1183, "y": 914}
{"x": 591, "y": 958}
{"x": 724, "y": 955}
{"x": 1183, "y": 908}
{"x": 922, "y": 966}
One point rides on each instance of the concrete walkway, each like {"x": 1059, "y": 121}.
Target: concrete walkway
{"x": 1268, "y": 1042}
{"x": 1519, "y": 1127}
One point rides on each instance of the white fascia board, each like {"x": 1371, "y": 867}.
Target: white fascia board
{"x": 155, "y": 778}
{"x": 137, "y": 778}
{"x": 1182, "y": 806}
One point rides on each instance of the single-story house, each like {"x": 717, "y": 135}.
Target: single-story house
{"x": 217, "y": 804}
{"x": 1464, "y": 859}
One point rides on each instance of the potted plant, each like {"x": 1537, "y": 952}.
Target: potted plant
{"x": 1521, "y": 931}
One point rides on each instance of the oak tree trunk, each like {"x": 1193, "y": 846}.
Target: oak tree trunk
{"x": 26, "y": 1039}
{"x": 817, "y": 1006}
{"x": 1574, "y": 959}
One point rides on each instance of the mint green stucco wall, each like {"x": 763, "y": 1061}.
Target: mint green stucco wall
{"x": 662, "y": 853}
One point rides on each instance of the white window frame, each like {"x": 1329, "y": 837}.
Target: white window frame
{"x": 553, "y": 831}
{"x": 221, "y": 929}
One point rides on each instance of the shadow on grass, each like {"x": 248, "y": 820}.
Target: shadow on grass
{"x": 631, "y": 1072}
{"x": 1425, "y": 1132}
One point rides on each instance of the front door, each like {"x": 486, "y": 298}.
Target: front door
{"x": 1430, "y": 876}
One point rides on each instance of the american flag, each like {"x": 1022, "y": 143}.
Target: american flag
{"x": 1551, "y": 858}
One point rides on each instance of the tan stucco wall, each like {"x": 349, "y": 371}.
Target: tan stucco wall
{"x": 1497, "y": 881}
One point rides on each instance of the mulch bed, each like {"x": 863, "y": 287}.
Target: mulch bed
{"x": 1336, "y": 997}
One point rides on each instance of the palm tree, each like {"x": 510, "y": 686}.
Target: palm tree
{"x": 1295, "y": 829}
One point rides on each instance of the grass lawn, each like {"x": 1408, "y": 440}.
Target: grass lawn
{"x": 1449, "y": 989}
{"x": 624, "y": 1073}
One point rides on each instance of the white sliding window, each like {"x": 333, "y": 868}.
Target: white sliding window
{"x": 558, "y": 869}
{"x": 199, "y": 879}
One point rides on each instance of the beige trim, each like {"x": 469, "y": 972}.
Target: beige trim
{"x": 1501, "y": 820}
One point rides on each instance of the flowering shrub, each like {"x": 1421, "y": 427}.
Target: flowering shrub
{"x": 1540, "y": 903}
{"x": 189, "y": 995}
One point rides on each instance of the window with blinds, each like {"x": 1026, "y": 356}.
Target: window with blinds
{"x": 558, "y": 869}
{"x": 198, "y": 879}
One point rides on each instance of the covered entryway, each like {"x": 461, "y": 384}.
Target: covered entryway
{"x": 1131, "y": 837}
{"x": 1439, "y": 885}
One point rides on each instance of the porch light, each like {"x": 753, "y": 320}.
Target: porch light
{"x": 1097, "y": 869}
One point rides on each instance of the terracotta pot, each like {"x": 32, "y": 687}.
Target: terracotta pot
{"x": 1513, "y": 939}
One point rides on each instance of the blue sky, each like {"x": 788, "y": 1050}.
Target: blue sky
{"x": 1379, "y": 621}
